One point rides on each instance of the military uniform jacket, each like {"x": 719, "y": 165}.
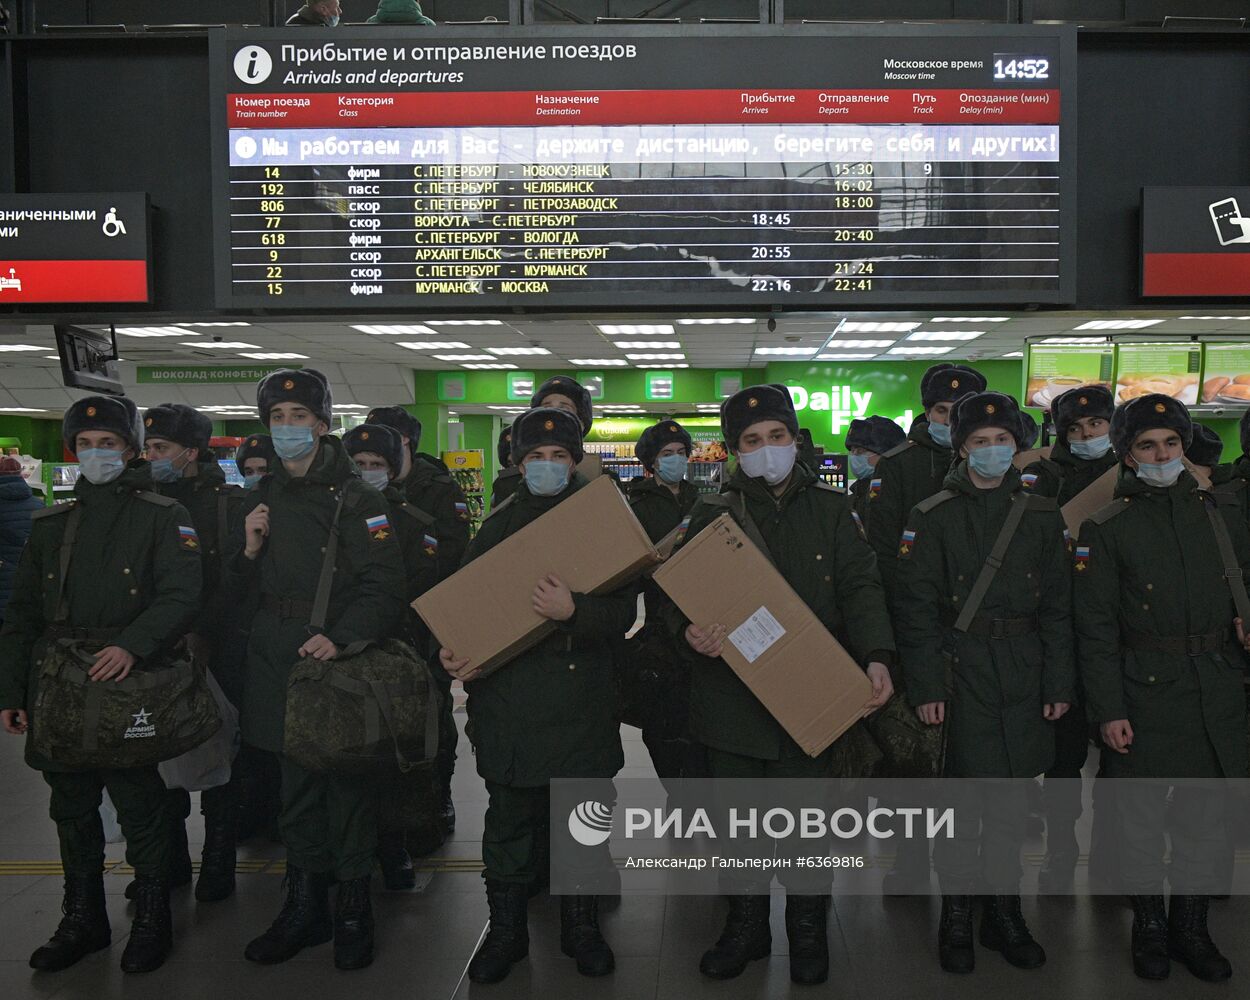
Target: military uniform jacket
{"x": 818, "y": 548}
{"x": 504, "y": 486}
{"x": 419, "y": 546}
{"x": 859, "y": 498}
{"x": 551, "y": 711}
{"x": 135, "y": 568}
{"x": 367, "y": 599}
{"x": 904, "y": 476}
{"x": 996, "y": 728}
{"x": 1063, "y": 475}
{"x": 1230, "y": 483}
{"x": 1147, "y": 565}
{"x": 659, "y": 510}
{"x": 431, "y": 488}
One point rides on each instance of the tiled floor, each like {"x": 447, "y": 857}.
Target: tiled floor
{"x": 881, "y": 949}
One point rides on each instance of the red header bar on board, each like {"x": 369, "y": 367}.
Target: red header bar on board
{"x": 85, "y": 281}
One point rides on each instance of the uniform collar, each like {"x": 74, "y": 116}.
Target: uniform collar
{"x": 1128, "y": 485}
{"x": 756, "y": 489}
{"x": 960, "y": 481}
{"x": 135, "y": 477}
{"x": 331, "y": 467}
{"x": 919, "y": 434}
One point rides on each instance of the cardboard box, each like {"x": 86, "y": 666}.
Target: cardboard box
{"x": 806, "y": 680}
{"x": 592, "y": 541}
{"x": 1101, "y": 492}
{"x": 1024, "y": 459}
{"x": 591, "y": 466}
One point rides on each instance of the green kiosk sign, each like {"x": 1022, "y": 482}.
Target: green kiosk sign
{"x": 1054, "y": 369}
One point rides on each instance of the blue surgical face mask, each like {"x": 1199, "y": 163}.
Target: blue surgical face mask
{"x": 1093, "y": 448}
{"x": 546, "y": 479}
{"x": 377, "y": 478}
{"x": 941, "y": 434}
{"x": 991, "y": 461}
{"x": 672, "y": 468}
{"x": 1163, "y": 474}
{"x": 861, "y": 466}
{"x": 101, "y": 465}
{"x": 252, "y": 480}
{"x": 164, "y": 470}
{"x": 292, "y": 443}
{"x": 772, "y": 463}
{"x": 332, "y": 21}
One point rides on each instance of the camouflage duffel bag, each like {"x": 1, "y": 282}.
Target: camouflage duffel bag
{"x": 372, "y": 707}
{"x": 155, "y": 714}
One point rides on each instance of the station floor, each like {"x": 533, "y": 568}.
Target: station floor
{"x": 883, "y": 949}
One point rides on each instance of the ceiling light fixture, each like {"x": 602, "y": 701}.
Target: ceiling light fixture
{"x": 14, "y": 348}
{"x": 860, "y": 343}
{"x": 597, "y": 362}
{"x": 1075, "y": 340}
{"x": 275, "y": 356}
{"x": 863, "y": 326}
{"x": 920, "y": 350}
{"x": 970, "y": 319}
{"x": 465, "y": 357}
{"x": 504, "y": 351}
{"x": 656, "y": 356}
{"x": 154, "y": 331}
{"x": 393, "y": 331}
{"x": 1213, "y": 318}
{"x": 213, "y": 324}
{"x": 497, "y": 366}
{"x": 948, "y": 335}
{"x": 649, "y": 345}
{"x": 680, "y": 364}
{"x": 789, "y": 351}
{"x": 1118, "y": 324}
{"x": 433, "y": 345}
{"x": 1014, "y": 354}
{"x": 742, "y": 321}
{"x": 221, "y": 345}
{"x": 635, "y": 329}
{"x": 843, "y": 357}
{"x": 466, "y": 322}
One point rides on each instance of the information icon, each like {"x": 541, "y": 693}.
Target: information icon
{"x": 252, "y": 64}
{"x": 245, "y": 147}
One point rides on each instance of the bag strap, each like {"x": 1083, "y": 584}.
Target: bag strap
{"x": 321, "y": 602}
{"x": 433, "y": 700}
{"x": 222, "y": 521}
{"x": 1019, "y": 504}
{"x": 737, "y": 505}
{"x": 1232, "y": 571}
{"x": 67, "y": 550}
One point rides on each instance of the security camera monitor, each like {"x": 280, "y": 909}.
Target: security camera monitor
{"x": 88, "y": 359}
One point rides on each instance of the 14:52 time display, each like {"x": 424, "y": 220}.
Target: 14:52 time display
{"x": 1018, "y": 67}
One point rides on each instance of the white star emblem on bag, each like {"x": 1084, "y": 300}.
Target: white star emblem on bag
{"x": 142, "y": 716}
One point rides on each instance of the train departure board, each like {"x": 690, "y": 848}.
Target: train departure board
{"x": 817, "y": 166}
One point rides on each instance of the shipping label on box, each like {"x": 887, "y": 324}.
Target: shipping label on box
{"x": 776, "y": 645}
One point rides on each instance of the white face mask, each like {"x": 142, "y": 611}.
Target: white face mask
{"x": 772, "y": 463}
{"x": 1161, "y": 474}
{"x": 377, "y": 478}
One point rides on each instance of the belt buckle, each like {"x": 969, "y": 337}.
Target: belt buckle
{"x": 1194, "y": 645}
{"x": 998, "y": 628}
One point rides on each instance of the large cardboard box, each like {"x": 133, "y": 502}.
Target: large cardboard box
{"x": 1024, "y": 459}
{"x": 1101, "y": 492}
{"x": 779, "y": 648}
{"x": 592, "y": 541}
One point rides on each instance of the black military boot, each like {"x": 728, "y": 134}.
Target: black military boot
{"x": 580, "y": 937}
{"x": 909, "y": 875}
{"x": 746, "y": 938}
{"x": 541, "y": 862}
{"x": 398, "y": 875}
{"x": 303, "y": 921}
{"x": 353, "y": 925}
{"x": 180, "y": 872}
{"x": 508, "y": 940}
{"x": 807, "y": 931}
{"x": 446, "y": 808}
{"x": 1150, "y": 938}
{"x": 955, "y": 950}
{"x": 217, "y": 862}
{"x": 1003, "y": 929}
{"x": 1189, "y": 942}
{"x": 83, "y": 929}
{"x": 151, "y": 932}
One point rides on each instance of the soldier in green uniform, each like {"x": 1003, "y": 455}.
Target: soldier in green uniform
{"x": 254, "y": 458}
{"x": 1162, "y": 660}
{"x": 131, "y": 587}
{"x": 564, "y": 393}
{"x": 817, "y": 547}
{"x": 549, "y": 713}
{"x": 1080, "y": 455}
{"x": 406, "y": 805}
{"x": 327, "y": 822}
{"x": 509, "y": 477}
{"x": 984, "y": 593}
{"x": 655, "y": 675}
{"x": 1229, "y": 482}
{"x": 908, "y": 473}
{"x": 867, "y": 440}
{"x": 176, "y": 442}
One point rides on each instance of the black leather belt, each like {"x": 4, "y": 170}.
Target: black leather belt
{"x": 986, "y": 627}
{"x": 1180, "y": 645}
{"x": 92, "y": 635}
{"x": 287, "y": 607}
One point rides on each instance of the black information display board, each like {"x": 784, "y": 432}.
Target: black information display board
{"x": 559, "y": 167}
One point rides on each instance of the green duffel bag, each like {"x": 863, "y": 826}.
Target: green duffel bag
{"x": 157, "y": 713}
{"x": 370, "y": 709}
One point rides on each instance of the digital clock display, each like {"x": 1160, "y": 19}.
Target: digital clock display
{"x": 1011, "y": 66}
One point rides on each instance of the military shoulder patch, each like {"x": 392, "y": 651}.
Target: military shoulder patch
{"x": 681, "y": 530}
{"x": 429, "y": 545}
{"x": 379, "y": 527}
{"x": 1028, "y": 480}
{"x": 1080, "y": 559}
{"x": 874, "y": 489}
{"x": 188, "y": 538}
{"x": 462, "y": 510}
{"x": 1067, "y": 540}
{"x": 906, "y": 543}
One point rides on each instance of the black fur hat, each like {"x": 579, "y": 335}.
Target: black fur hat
{"x": 1075, "y": 404}
{"x": 1206, "y": 447}
{"x": 1146, "y": 413}
{"x": 398, "y": 419}
{"x": 255, "y": 446}
{"x": 503, "y": 448}
{"x": 1029, "y": 430}
{"x": 180, "y": 424}
{"x": 562, "y": 385}
{"x": 659, "y": 436}
{"x": 546, "y": 425}
{"x": 877, "y": 434}
{"x": 752, "y": 405}
{"x": 305, "y": 386}
{"x": 379, "y": 439}
{"x": 985, "y": 409}
{"x": 948, "y": 382}
{"x": 103, "y": 413}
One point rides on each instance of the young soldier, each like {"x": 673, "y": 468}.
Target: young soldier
{"x": 1080, "y": 455}
{"x": 254, "y": 458}
{"x": 984, "y": 594}
{"x": 327, "y": 822}
{"x": 564, "y": 393}
{"x": 814, "y": 542}
{"x": 427, "y": 484}
{"x": 130, "y": 591}
{"x": 661, "y": 680}
{"x": 911, "y": 472}
{"x": 1229, "y": 482}
{"x": 549, "y": 713}
{"x": 867, "y": 440}
{"x": 1162, "y": 661}
{"x": 377, "y": 451}
{"x": 176, "y": 442}
{"x": 509, "y": 477}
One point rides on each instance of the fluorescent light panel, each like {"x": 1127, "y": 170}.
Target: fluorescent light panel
{"x": 464, "y": 357}
{"x": 861, "y": 326}
{"x": 798, "y": 352}
{"x": 860, "y": 343}
{"x": 431, "y": 345}
{"x": 680, "y": 364}
{"x": 844, "y": 357}
{"x": 598, "y": 362}
{"x": 1074, "y": 340}
{"x": 497, "y": 366}
{"x": 743, "y": 321}
{"x": 635, "y": 329}
{"x": 154, "y": 331}
{"x": 1118, "y": 324}
{"x": 466, "y": 322}
{"x": 276, "y": 356}
{"x": 660, "y": 356}
{"x": 951, "y": 335}
{"x": 225, "y": 345}
{"x": 213, "y": 324}
{"x": 970, "y": 319}
{"x": 649, "y": 345}
{"x": 14, "y": 348}
{"x": 505, "y": 351}
{"x": 394, "y": 331}
{"x": 920, "y": 350}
